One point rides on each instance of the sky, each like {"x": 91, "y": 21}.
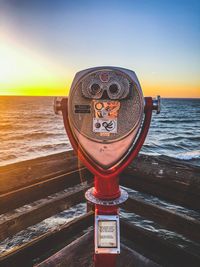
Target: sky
{"x": 43, "y": 43}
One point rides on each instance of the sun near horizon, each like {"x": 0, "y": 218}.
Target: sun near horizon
{"x": 44, "y": 43}
{"x": 25, "y": 73}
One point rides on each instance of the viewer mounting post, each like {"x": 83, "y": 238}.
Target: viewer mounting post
{"x": 107, "y": 120}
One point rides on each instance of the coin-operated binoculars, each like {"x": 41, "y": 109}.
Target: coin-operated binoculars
{"x": 106, "y": 119}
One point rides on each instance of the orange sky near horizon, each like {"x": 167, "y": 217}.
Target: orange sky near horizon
{"x": 40, "y": 54}
{"x": 28, "y": 73}
{"x": 164, "y": 92}
{"x": 25, "y": 72}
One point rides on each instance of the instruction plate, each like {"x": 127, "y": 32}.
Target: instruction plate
{"x": 107, "y": 234}
{"x": 107, "y": 237}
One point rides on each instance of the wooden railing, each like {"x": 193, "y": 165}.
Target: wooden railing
{"x": 65, "y": 181}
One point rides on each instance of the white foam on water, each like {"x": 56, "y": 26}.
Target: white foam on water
{"x": 189, "y": 155}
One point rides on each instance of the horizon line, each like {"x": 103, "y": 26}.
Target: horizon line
{"x": 67, "y": 96}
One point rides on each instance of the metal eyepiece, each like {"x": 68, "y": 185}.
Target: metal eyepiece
{"x": 114, "y": 89}
{"x": 95, "y": 84}
{"x": 156, "y": 104}
{"x": 95, "y": 89}
{"x": 57, "y": 105}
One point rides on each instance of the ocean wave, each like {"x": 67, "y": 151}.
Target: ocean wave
{"x": 190, "y": 155}
{"x": 30, "y": 129}
{"x": 7, "y": 126}
{"x": 37, "y": 135}
{"x": 48, "y": 147}
{"x": 181, "y": 138}
{"x": 179, "y": 120}
{"x": 8, "y": 157}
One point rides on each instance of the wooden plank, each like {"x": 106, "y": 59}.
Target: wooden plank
{"x": 167, "y": 170}
{"x": 84, "y": 248}
{"x": 20, "y": 197}
{"x": 157, "y": 248}
{"x": 183, "y": 224}
{"x": 147, "y": 243}
{"x": 172, "y": 220}
{"x": 179, "y": 183}
{"x": 50, "y": 241}
{"x": 24, "y": 173}
{"x": 170, "y": 179}
{"x": 76, "y": 254}
{"x": 10, "y": 225}
{"x": 170, "y": 191}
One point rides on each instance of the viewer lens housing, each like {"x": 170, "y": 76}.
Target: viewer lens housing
{"x": 113, "y": 89}
{"x": 95, "y": 88}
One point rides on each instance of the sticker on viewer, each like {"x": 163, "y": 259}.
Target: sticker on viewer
{"x": 104, "y": 126}
{"x": 107, "y": 110}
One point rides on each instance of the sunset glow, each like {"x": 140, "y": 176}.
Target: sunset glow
{"x": 43, "y": 45}
{"x": 23, "y": 72}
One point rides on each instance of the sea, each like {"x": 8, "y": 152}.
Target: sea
{"x": 30, "y": 129}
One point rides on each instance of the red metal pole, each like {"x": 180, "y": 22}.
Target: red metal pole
{"x": 106, "y": 189}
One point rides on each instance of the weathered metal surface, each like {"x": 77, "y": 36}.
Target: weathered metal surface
{"x": 90, "y": 197}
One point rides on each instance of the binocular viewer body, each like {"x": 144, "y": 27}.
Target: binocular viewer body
{"x": 105, "y": 110}
{"x": 106, "y": 119}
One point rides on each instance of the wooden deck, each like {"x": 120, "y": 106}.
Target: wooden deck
{"x": 68, "y": 255}
{"x": 55, "y": 183}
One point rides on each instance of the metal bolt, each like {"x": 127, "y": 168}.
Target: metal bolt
{"x": 57, "y": 105}
{"x": 156, "y": 104}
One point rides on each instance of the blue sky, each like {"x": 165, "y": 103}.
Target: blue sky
{"x": 158, "y": 39}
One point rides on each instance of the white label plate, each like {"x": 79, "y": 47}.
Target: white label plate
{"x": 107, "y": 236}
